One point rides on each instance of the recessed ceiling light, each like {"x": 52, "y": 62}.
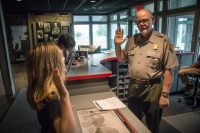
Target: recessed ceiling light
{"x": 85, "y": 9}
{"x": 92, "y": 1}
{"x": 18, "y": 0}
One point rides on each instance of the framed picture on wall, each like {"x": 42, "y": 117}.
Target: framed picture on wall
{"x": 55, "y": 28}
{"x": 51, "y": 38}
{"x": 46, "y": 37}
{"x": 65, "y": 29}
{"x": 20, "y": 41}
{"x": 47, "y": 27}
{"x": 40, "y": 34}
{"x": 40, "y": 24}
{"x": 49, "y": 32}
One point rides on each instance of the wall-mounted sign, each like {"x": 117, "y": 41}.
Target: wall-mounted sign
{"x": 65, "y": 30}
{"x": 20, "y": 41}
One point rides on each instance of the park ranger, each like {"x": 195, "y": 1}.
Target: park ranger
{"x": 151, "y": 61}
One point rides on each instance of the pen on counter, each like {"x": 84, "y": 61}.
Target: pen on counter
{"x": 125, "y": 121}
{"x": 98, "y": 105}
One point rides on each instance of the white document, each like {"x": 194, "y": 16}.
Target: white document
{"x": 109, "y": 104}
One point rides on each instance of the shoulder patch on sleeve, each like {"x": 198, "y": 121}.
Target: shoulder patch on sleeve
{"x": 170, "y": 47}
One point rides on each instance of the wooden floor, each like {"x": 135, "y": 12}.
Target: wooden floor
{"x": 20, "y": 82}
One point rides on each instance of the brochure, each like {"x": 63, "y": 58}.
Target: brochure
{"x": 109, "y": 103}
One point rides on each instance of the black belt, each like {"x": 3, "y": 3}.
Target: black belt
{"x": 146, "y": 81}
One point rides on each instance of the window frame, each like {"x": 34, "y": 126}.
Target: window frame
{"x": 90, "y": 23}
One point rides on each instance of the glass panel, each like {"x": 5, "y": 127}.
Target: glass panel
{"x": 113, "y": 17}
{"x": 81, "y": 18}
{"x": 81, "y": 33}
{"x": 123, "y": 15}
{"x": 199, "y": 44}
{"x": 99, "y": 35}
{"x": 160, "y": 5}
{"x": 150, "y": 7}
{"x": 133, "y": 12}
{"x": 124, "y": 25}
{"x": 134, "y": 28}
{"x": 113, "y": 27}
{"x": 172, "y": 4}
{"x": 180, "y": 30}
{"x": 159, "y": 24}
{"x": 99, "y": 18}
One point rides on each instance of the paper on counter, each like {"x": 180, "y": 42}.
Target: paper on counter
{"x": 109, "y": 104}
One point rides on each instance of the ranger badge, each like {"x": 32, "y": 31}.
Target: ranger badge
{"x": 155, "y": 47}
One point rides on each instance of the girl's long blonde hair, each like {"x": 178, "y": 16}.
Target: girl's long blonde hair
{"x": 40, "y": 62}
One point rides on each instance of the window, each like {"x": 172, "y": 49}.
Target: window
{"x": 134, "y": 28}
{"x": 199, "y": 44}
{"x": 123, "y": 15}
{"x": 179, "y": 30}
{"x": 172, "y": 4}
{"x": 81, "y": 34}
{"x": 160, "y": 5}
{"x": 150, "y": 7}
{"x": 113, "y": 27}
{"x": 99, "y": 35}
{"x": 113, "y": 17}
{"x": 99, "y": 18}
{"x": 81, "y": 18}
{"x": 92, "y": 30}
{"x": 124, "y": 25}
{"x": 159, "y": 24}
{"x": 133, "y": 12}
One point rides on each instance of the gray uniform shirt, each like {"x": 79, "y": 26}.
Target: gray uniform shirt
{"x": 149, "y": 60}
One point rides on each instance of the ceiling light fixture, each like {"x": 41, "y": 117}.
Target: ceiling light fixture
{"x": 92, "y": 1}
{"x": 85, "y": 9}
{"x": 18, "y": 0}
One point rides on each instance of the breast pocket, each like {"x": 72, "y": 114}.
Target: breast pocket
{"x": 154, "y": 59}
{"x": 131, "y": 55}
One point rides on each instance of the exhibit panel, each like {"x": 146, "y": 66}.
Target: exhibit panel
{"x": 81, "y": 102}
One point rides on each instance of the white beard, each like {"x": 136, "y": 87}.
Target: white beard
{"x": 144, "y": 32}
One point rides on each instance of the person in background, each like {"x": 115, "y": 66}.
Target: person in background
{"x": 184, "y": 71}
{"x": 46, "y": 92}
{"x": 151, "y": 61}
{"x": 66, "y": 43}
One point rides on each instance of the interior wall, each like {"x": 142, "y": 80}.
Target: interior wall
{"x": 29, "y": 20}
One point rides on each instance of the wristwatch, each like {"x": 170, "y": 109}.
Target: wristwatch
{"x": 165, "y": 94}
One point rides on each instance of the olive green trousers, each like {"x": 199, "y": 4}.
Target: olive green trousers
{"x": 144, "y": 100}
